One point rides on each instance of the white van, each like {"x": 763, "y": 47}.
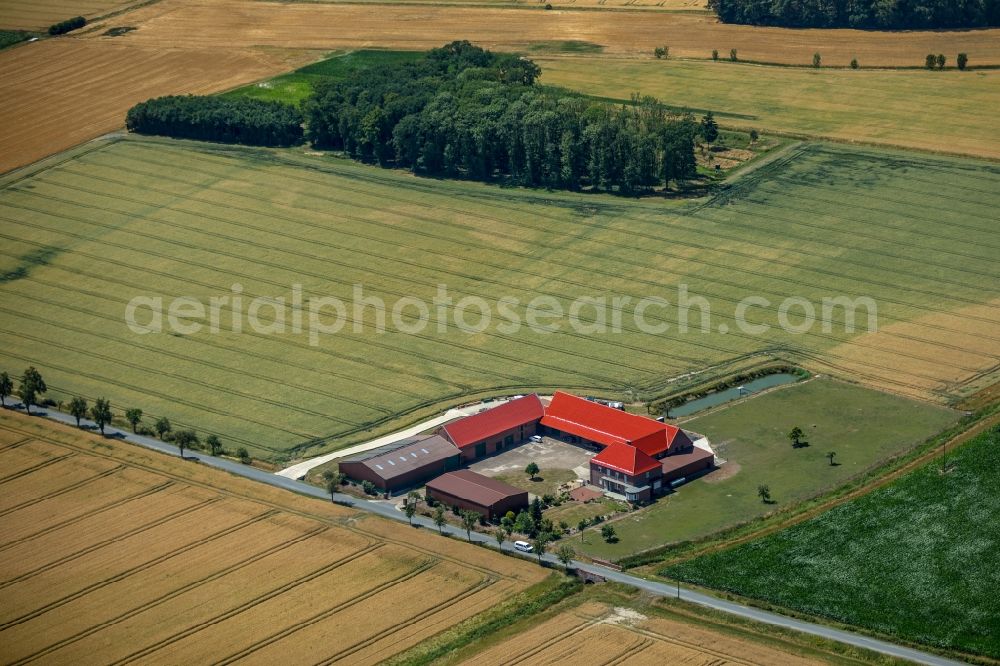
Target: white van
{"x": 523, "y": 546}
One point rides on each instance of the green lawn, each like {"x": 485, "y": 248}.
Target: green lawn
{"x": 544, "y": 483}
{"x": 876, "y": 105}
{"x": 295, "y": 86}
{"x": 863, "y": 426}
{"x": 918, "y": 559}
{"x": 166, "y": 218}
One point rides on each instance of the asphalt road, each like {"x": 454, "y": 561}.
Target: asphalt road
{"x": 389, "y": 510}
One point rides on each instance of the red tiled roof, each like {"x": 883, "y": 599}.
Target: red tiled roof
{"x": 471, "y": 429}
{"x": 661, "y": 440}
{"x": 625, "y": 458}
{"x": 476, "y": 488}
{"x": 596, "y": 422}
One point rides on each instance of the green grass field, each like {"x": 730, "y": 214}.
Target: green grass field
{"x": 161, "y": 218}
{"x": 917, "y": 559}
{"x": 295, "y": 86}
{"x": 909, "y": 108}
{"x": 861, "y": 425}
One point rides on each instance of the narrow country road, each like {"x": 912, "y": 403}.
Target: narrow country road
{"x": 390, "y": 511}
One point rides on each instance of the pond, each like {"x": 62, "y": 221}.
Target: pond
{"x": 720, "y": 397}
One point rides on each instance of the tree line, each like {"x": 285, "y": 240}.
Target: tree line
{"x": 68, "y": 25}
{"x": 462, "y": 111}
{"x": 32, "y": 387}
{"x": 242, "y": 120}
{"x": 867, "y": 14}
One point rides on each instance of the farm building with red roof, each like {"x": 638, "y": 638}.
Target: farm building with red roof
{"x": 634, "y": 449}
{"x": 495, "y": 429}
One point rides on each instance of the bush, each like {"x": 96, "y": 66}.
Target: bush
{"x": 817, "y": 60}
{"x": 715, "y": 54}
{"x": 732, "y": 55}
{"x": 68, "y": 25}
{"x": 242, "y": 120}
{"x": 243, "y": 455}
{"x": 854, "y": 64}
{"x": 369, "y": 487}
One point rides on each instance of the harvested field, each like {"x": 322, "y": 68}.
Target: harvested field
{"x": 239, "y": 24}
{"x": 40, "y": 14}
{"x": 877, "y": 106}
{"x": 209, "y": 567}
{"x": 598, "y": 634}
{"x": 166, "y": 218}
{"x": 61, "y": 92}
{"x": 642, "y": 5}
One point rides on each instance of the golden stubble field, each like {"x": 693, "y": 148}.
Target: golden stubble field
{"x": 40, "y": 14}
{"x": 596, "y": 634}
{"x": 242, "y": 23}
{"x": 62, "y": 92}
{"x": 110, "y": 553}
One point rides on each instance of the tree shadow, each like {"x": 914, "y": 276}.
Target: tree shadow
{"x": 800, "y": 445}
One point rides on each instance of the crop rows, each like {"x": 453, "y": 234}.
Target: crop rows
{"x": 207, "y": 219}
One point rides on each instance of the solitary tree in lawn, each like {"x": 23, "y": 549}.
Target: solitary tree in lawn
{"x": 78, "y": 409}
{"x": 469, "y": 520}
{"x": 439, "y": 518}
{"x": 796, "y": 435}
{"x": 6, "y": 388}
{"x": 608, "y": 533}
{"x": 32, "y": 386}
{"x": 565, "y": 554}
{"x": 410, "y": 505}
{"x": 831, "y": 455}
{"x": 185, "y": 439}
{"x": 101, "y": 413}
{"x": 133, "y": 416}
{"x": 501, "y": 535}
{"x": 764, "y": 493}
{"x": 532, "y": 470}
{"x": 162, "y": 427}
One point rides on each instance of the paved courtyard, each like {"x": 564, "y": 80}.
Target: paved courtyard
{"x": 547, "y": 454}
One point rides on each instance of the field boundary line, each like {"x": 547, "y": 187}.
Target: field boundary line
{"x": 106, "y": 542}
{"x": 69, "y": 488}
{"x": 122, "y": 575}
{"x": 483, "y": 584}
{"x": 35, "y": 468}
{"x": 236, "y": 566}
{"x": 232, "y": 612}
{"x": 149, "y": 490}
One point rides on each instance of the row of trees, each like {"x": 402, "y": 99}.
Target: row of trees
{"x": 68, "y": 25}
{"x": 242, "y": 120}
{"x": 868, "y": 14}
{"x": 32, "y": 387}
{"x": 465, "y": 112}
{"x": 938, "y": 61}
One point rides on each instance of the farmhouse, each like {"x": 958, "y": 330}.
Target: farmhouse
{"x": 403, "y": 464}
{"x": 495, "y": 429}
{"x": 637, "y": 454}
{"x": 474, "y": 492}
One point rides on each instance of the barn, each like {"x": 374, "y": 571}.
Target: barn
{"x": 474, "y": 492}
{"x": 495, "y": 429}
{"x": 403, "y": 464}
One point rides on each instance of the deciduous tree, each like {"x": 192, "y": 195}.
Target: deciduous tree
{"x": 100, "y": 413}
{"x": 78, "y": 409}
{"x": 31, "y": 388}
{"x": 6, "y": 387}
{"x": 133, "y": 416}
